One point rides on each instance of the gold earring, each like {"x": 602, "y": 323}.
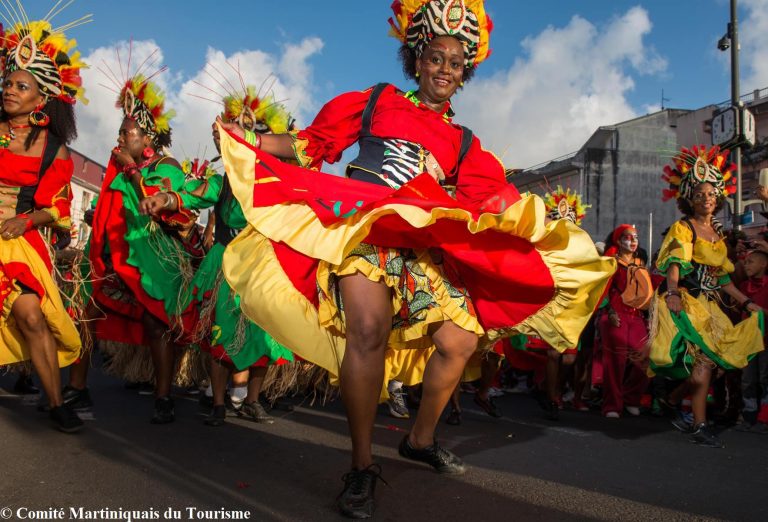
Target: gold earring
{"x": 417, "y": 74}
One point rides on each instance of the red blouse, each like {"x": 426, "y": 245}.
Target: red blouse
{"x": 337, "y": 126}
{"x": 53, "y": 194}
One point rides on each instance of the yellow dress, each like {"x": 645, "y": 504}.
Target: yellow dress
{"x": 701, "y": 329}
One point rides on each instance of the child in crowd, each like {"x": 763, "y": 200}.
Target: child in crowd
{"x": 754, "y": 379}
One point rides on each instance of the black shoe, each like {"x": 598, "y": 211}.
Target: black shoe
{"x": 454, "y": 418}
{"x": 356, "y": 499}
{"x": 255, "y": 412}
{"x": 25, "y": 386}
{"x": 442, "y": 460}
{"x": 217, "y": 416}
{"x": 77, "y": 399}
{"x": 282, "y": 405}
{"x": 682, "y": 422}
{"x": 65, "y": 419}
{"x": 488, "y": 405}
{"x": 205, "y": 401}
{"x": 146, "y": 388}
{"x": 163, "y": 411}
{"x": 702, "y": 436}
{"x": 551, "y": 410}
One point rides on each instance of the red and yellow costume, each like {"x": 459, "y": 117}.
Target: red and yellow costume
{"x": 503, "y": 271}
{"x": 25, "y": 260}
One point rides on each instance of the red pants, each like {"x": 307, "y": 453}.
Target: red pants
{"x": 624, "y": 377}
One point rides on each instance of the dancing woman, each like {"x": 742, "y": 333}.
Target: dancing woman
{"x": 691, "y": 336}
{"x": 337, "y": 270}
{"x": 234, "y": 342}
{"x": 141, "y": 251}
{"x": 41, "y": 81}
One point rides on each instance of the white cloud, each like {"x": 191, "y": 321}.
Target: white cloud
{"x": 288, "y": 76}
{"x": 573, "y": 80}
{"x": 753, "y": 36}
{"x": 99, "y": 120}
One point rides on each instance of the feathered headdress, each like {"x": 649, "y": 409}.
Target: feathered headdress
{"x": 246, "y": 105}
{"x": 43, "y": 51}
{"x": 256, "y": 114}
{"x": 138, "y": 96}
{"x": 416, "y": 22}
{"x": 144, "y": 102}
{"x": 194, "y": 168}
{"x": 564, "y": 204}
{"x": 695, "y": 166}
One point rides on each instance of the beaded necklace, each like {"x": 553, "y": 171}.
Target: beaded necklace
{"x": 8, "y": 137}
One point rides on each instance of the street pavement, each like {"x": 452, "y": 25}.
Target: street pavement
{"x": 521, "y": 467}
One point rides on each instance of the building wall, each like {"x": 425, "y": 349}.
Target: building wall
{"x": 624, "y": 182}
{"x": 86, "y": 183}
{"x": 618, "y": 170}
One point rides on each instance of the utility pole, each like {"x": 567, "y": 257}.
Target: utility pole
{"x": 733, "y": 34}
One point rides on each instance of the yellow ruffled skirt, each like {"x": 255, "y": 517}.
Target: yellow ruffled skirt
{"x": 13, "y": 347}
{"x": 313, "y": 326}
{"x": 700, "y": 330}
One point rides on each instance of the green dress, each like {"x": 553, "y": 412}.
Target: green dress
{"x": 223, "y": 329}
{"x": 140, "y": 266}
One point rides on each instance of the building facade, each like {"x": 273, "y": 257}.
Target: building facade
{"x": 86, "y": 183}
{"x": 618, "y": 170}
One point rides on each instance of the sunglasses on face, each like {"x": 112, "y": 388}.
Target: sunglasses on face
{"x": 702, "y": 196}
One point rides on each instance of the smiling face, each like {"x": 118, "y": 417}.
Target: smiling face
{"x": 20, "y": 93}
{"x": 704, "y": 199}
{"x": 440, "y": 69}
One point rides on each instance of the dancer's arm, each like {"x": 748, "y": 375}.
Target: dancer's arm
{"x": 673, "y": 298}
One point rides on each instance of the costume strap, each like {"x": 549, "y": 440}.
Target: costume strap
{"x": 26, "y": 199}
{"x": 369, "y": 108}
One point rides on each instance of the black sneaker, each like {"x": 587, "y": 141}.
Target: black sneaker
{"x": 205, "y": 401}
{"x": 442, "y": 460}
{"x": 282, "y": 404}
{"x": 702, "y": 436}
{"x": 77, "y": 399}
{"x": 146, "y": 388}
{"x": 255, "y": 412}
{"x": 551, "y": 410}
{"x": 164, "y": 413}
{"x": 453, "y": 418}
{"x": 25, "y": 386}
{"x": 683, "y": 422}
{"x": 65, "y": 419}
{"x": 356, "y": 500}
{"x": 217, "y": 416}
{"x": 488, "y": 405}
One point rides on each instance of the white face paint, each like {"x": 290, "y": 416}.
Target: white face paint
{"x": 628, "y": 242}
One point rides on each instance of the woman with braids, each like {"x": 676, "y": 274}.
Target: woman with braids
{"x": 143, "y": 242}
{"x": 690, "y": 334}
{"x": 421, "y": 250}
{"x": 41, "y": 81}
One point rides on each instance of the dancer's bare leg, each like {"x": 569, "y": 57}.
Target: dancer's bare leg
{"x": 454, "y": 348}
{"x": 42, "y": 346}
{"x": 78, "y": 372}
{"x": 163, "y": 354}
{"x": 368, "y": 321}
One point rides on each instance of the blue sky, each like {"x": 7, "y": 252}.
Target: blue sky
{"x": 559, "y": 68}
